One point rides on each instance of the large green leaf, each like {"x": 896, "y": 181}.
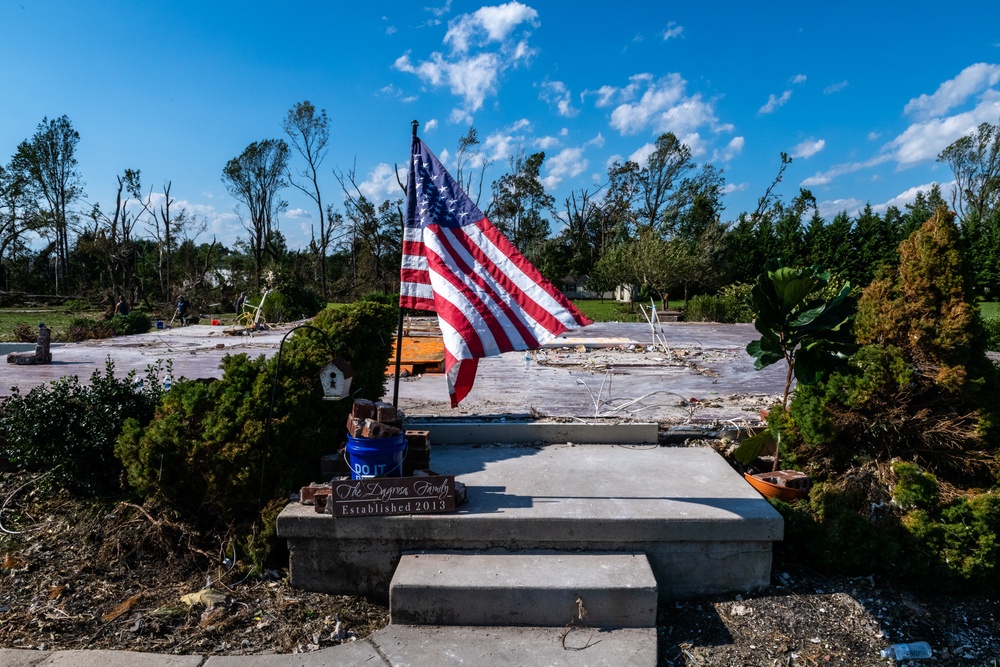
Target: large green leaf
{"x": 752, "y": 447}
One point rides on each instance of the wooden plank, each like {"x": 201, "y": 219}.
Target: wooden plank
{"x": 393, "y": 495}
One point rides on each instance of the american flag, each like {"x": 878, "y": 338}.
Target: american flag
{"x": 489, "y": 299}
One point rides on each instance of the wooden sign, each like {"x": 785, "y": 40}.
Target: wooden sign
{"x": 393, "y": 495}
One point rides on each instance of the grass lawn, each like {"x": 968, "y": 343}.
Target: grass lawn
{"x": 614, "y": 311}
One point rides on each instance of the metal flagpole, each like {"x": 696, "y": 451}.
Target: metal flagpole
{"x": 399, "y": 327}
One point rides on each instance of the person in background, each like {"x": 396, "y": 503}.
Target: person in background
{"x": 240, "y": 300}
{"x": 182, "y": 309}
{"x": 121, "y": 308}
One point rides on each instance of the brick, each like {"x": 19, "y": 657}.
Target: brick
{"x": 418, "y": 440}
{"x": 353, "y": 425}
{"x": 373, "y": 429}
{"x": 321, "y": 502}
{"x": 363, "y": 408}
{"x": 308, "y": 494}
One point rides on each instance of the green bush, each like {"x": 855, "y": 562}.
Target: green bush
{"x": 84, "y": 328}
{"x": 134, "y": 323}
{"x": 290, "y": 303}
{"x": 846, "y": 527}
{"x": 70, "y": 428}
{"x": 208, "y": 451}
{"x": 76, "y": 305}
{"x": 991, "y": 328}
{"x": 731, "y": 304}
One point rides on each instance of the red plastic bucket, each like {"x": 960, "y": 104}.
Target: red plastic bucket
{"x": 376, "y": 457}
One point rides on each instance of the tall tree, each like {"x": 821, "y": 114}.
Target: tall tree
{"x": 975, "y": 161}
{"x": 657, "y": 184}
{"x": 47, "y": 163}
{"x": 309, "y": 133}
{"x": 520, "y": 203}
{"x": 17, "y": 216}
{"x": 254, "y": 178}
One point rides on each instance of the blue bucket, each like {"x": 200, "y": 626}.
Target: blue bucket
{"x": 376, "y": 457}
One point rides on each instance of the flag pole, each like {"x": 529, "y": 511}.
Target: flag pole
{"x": 399, "y": 326}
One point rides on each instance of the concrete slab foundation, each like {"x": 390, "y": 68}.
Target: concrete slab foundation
{"x": 702, "y": 527}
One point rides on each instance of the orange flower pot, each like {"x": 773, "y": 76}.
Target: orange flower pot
{"x": 767, "y": 484}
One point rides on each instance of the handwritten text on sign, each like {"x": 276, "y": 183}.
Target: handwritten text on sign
{"x": 399, "y": 495}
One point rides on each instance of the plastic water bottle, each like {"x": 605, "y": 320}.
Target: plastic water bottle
{"x": 909, "y": 651}
{"x": 527, "y": 359}
{"x": 166, "y": 383}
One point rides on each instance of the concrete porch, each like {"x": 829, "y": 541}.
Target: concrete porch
{"x": 703, "y": 529}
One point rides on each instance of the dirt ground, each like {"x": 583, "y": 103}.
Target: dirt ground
{"x": 108, "y": 574}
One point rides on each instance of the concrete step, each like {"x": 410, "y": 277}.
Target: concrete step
{"x": 605, "y": 590}
{"x": 704, "y": 529}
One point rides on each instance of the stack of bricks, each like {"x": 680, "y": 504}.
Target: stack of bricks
{"x": 374, "y": 420}
{"x": 418, "y": 452}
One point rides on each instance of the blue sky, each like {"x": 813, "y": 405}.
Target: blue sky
{"x": 862, "y": 95}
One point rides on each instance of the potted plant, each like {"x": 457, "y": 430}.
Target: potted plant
{"x": 808, "y": 329}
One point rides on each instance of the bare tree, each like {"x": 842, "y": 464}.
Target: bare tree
{"x": 309, "y": 133}
{"x": 113, "y": 233}
{"x": 254, "y": 178}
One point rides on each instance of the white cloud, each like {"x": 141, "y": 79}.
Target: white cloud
{"x": 835, "y": 87}
{"x": 568, "y": 163}
{"x": 612, "y": 159}
{"x": 873, "y": 135}
{"x": 799, "y": 78}
{"x": 822, "y": 178}
{"x": 298, "y": 214}
{"x": 662, "y": 106}
{"x": 460, "y": 116}
{"x": 545, "y": 143}
{"x": 735, "y": 187}
{"x": 597, "y": 141}
{"x": 642, "y": 153}
{"x": 474, "y": 77}
{"x": 774, "y": 103}
{"x": 497, "y": 23}
{"x": 390, "y": 30}
{"x": 923, "y": 141}
{"x": 431, "y": 125}
{"x": 732, "y": 149}
{"x": 521, "y": 124}
{"x": 605, "y": 95}
{"x": 497, "y": 147}
{"x": 381, "y": 184}
{"x": 557, "y": 94}
{"x": 950, "y": 94}
{"x": 808, "y": 148}
{"x": 695, "y": 143}
{"x": 673, "y": 30}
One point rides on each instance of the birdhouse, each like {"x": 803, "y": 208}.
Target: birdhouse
{"x": 336, "y": 379}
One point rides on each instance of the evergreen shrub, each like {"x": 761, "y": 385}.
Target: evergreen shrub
{"x": 135, "y": 322}
{"x": 69, "y": 428}
{"x": 209, "y": 453}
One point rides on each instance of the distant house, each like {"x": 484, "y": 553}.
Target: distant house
{"x": 575, "y": 287}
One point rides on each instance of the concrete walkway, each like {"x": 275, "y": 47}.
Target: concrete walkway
{"x": 401, "y": 646}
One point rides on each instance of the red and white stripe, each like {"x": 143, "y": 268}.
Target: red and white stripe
{"x": 488, "y": 297}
